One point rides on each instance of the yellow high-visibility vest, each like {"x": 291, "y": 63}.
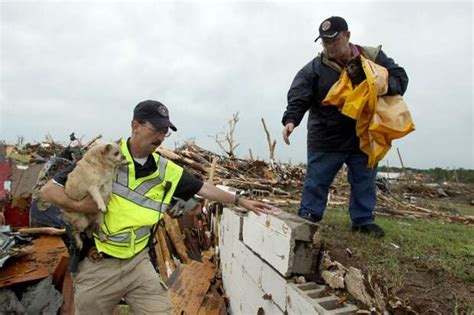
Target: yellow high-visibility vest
{"x": 135, "y": 206}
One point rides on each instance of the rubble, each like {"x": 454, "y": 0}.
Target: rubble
{"x": 42, "y": 298}
{"x": 188, "y": 244}
{"x": 11, "y": 244}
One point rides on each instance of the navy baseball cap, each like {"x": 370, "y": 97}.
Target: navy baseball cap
{"x": 155, "y": 113}
{"x": 331, "y": 27}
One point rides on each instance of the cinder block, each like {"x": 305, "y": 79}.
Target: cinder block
{"x": 230, "y": 229}
{"x": 245, "y": 295}
{"x": 274, "y": 285}
{"x": 250, "y": 263}
{"x": 253, "y": 283}
{"x": 304, "y": 299}
{"x": 284, "y": 240}
{"x": 230, "y": 226}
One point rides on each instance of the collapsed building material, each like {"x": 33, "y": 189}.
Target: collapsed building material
{"x": 188, "y": 287}
{"x": 192, "y": 237}
{"x": 11, "y": 244}
{"x": 256, "y": 282}
{"x": 284, "y": 240}
{"x": 42, "y": 298}
{"x": 9, "y": 303}
{"x": 41, "y": 260}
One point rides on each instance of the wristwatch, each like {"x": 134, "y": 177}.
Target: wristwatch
{"x": 237, "y": 199}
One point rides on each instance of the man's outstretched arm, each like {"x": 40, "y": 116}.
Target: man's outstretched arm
{"x": 213, "y": 193}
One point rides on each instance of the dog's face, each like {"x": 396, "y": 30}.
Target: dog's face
{"x": 111, "y": 152}
{"x": 355, "y": 70}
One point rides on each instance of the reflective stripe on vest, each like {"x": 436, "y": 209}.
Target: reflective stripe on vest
{"x": 127, "y": 236}
{"x": 143, "y": 188}
{"x": 138, "y": 199}
{"x": 122, "y": 175}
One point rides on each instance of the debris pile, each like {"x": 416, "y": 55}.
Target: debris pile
{"x": 185, "y": 253}
{"x": 282, "y": 184}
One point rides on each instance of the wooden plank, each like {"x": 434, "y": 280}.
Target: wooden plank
{"x": 165, "y": 251}
{"x": 42, "y": 230}
{"x": 60, "y": 272}
{"x": 68, "y": 295}
{"x": 160, "y": 260}
{"x": 189, "y": 288}
{"x": 213, "y": 305}
{"x": 42, "y": 259}
{"x": 174, "y": 232}
{"x": 210, "y": 180}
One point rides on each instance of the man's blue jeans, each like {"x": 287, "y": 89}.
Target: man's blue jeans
{"x": 321, "y": 170}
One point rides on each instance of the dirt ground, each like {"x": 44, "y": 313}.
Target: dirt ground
{"x": 420, "y": 290}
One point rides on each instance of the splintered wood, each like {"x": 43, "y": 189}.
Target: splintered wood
{"x": 41, "y": 260}
{"x": 189, "y": 287}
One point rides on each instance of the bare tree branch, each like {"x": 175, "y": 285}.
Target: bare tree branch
{"x": 271, "y": 145}
{"x": 229, "y": 137}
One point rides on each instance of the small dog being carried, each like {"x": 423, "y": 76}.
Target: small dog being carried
{"x": 93, "y": 175}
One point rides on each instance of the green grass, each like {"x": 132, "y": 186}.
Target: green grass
{"x": 461, "y": 207}
{"x": 423, "y": 244}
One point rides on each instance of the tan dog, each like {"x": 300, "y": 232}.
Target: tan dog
{"x": 93, "y": 175}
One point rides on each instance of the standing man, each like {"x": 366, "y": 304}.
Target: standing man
{"x": 332, "y": 139}
{"x": 118, "y": 264}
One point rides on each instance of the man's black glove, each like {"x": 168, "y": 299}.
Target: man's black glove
{"x": 180, "y": 207}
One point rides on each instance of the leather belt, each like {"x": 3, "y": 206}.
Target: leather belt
{"x": 95, "y": 256}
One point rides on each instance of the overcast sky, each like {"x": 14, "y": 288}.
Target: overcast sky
{"x": 82, "y": 66}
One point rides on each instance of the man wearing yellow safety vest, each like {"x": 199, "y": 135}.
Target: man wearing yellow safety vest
{"x": 141, "y": 194}
{"x": 332, "y": 139}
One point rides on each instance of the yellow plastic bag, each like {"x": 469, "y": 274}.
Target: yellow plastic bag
{"x": 379, "y": 119}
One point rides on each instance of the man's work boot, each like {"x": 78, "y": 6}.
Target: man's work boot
{"x": 310, "y": 217}
{"x": 370, "y": 229}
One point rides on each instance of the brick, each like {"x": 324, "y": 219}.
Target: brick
{"x": 304, "y": 299}
{"x": 245, "y": 295}
{"x": 273, "y": 283}
{"x": 248, "y": 246}
{"x": 285, "y": 241}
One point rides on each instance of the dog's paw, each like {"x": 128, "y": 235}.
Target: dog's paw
{"x": 103, "y": 208}
{"x": 79, "y": 244}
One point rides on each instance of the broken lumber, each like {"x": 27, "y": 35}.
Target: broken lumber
{"x": 42, "y": 230}
{"x": 160, "y": 261}
{"x": 169, "y": 262}
{"x": 174, "y": 232}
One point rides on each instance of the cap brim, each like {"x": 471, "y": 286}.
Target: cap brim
{"x": 162, "y": 123}
{"x": 172, "y": 127}
{"x": 330, "y": 35}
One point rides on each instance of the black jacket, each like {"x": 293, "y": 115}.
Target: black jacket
{"x": 328, "y": 129}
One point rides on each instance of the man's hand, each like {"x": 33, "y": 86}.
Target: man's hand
{"x": 256, "y": 206}
{"x": 211, "y": 192}
{"x": 55, "y": 194}
{"x": 287, "y": 132}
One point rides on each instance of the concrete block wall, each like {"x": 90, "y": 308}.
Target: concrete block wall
{"x": 285, "y": 241}
{"x": 258, "y": 255}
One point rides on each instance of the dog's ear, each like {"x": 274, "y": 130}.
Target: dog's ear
{"x": 106, "y": 149}
{"x": 118, "y": 140}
